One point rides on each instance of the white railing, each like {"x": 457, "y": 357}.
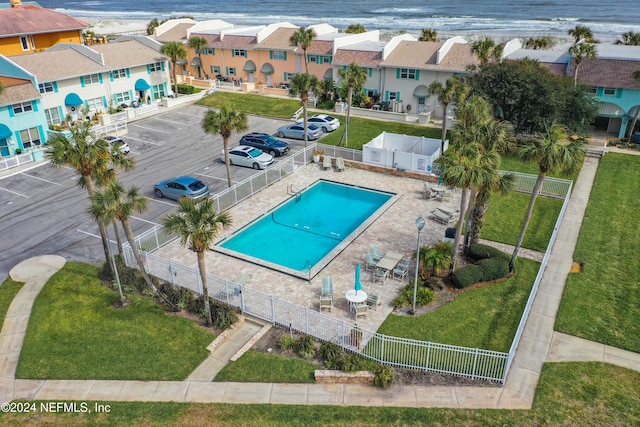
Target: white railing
{"x": 551, "y": 187}
{"x": 346, "y": 153}
{"x": 395, "y": 351}
{"x": 146, "y": 109}
{"x": 15, "y": 161}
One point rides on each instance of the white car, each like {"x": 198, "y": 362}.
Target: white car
{"x": 115, "y": 141}
{"x": 250, "y": 157}
{"x": 323, "y": 121}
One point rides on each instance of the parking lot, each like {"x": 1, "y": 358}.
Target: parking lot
{"x": 44, "y": 211}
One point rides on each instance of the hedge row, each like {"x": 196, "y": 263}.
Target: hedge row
{"x": 492, "y": 264}
{"x": 479, "y": 251}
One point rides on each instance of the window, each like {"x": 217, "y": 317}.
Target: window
{"x": 371, "y": 93}
{"x": 313, "y": 58}
{"x": 53, "y": 116}
{"x": 393, "y": 96}
{"x": 158, "y": 91}
{"x": 279, "y": 55}
{"x": 30, "y": 137}
{"x": 119, "y": 74}
{"x": 231, "y": 71}
{"x": 121, "y": 97}
{"x": 592, "y": 89}
{"x": 288, "y": 76}
{"x": 239, "y": 52}
{"x": 408, "y": 73}
{"x": 91, "y": 79}
{"x": 208, "y": 51}
{"x": 23, "y": 107}
{"x": 215, "y": 69}
{"x": 326, "y": 59}
{"x": 609, "y": 91}
{"x": 94, "y": 104}
{"x": 24, "y": 42}
{"x": 46, "y": 87}
{"x": 156, "y": 66}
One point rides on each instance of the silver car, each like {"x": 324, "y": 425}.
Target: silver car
{"x": 323, "y": 121}
{"x": 248, "y": 156}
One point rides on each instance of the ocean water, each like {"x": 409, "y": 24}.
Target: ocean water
{"x": 515, "y": 17}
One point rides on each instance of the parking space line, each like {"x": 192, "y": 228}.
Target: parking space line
{"x": 155, "y": 130}
{"x": 144, "y": 220}
{"x": 94, "y": 235}
{"x": 15, "y": 192}
{"x": 41, "y": 179}
{"x": 214, "y": 177}
{"x": 175, "y": 123}
{"x": 160, "y": 201}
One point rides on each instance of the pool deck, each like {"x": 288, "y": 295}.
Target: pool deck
{"x": 394, "y": 230}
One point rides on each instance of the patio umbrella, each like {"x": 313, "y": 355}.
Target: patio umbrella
{"x": 358, "y": 285}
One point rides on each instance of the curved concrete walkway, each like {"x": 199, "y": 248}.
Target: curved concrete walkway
{"x": 538, "y": 345}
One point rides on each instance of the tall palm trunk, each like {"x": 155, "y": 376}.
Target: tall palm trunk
{"x": 91, "y": 188}
{"x": 116, "y": 231}
{"x": 346, "y": 124}
{"x": 136, "y": 254}
{"x": 306, "y": 65}
{"x": 227, "y": 161}
{"x": 467, "y": 223}
{"x": 633, "y": 124}
{"x": 477, "y": 216}
{"x": 306, "y": 122}
{"x": 175, "y": 81}
{"x": 444, "y": 127}
{"x": 456, "y": 242}
{"x": 527, "y": 218}
{"x": 202, "y": 267}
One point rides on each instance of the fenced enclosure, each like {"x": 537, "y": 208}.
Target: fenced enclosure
{"x": 394, "y": 351}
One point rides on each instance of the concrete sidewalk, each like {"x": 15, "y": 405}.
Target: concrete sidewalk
{"x": 538, "y": 345}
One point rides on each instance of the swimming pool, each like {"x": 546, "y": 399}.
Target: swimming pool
{"x": 304, "y": 230}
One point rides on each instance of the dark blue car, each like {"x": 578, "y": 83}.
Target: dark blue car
{"x": 265, "y": 143}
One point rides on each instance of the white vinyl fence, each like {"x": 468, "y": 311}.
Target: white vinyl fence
{"x": 401, "y": 352}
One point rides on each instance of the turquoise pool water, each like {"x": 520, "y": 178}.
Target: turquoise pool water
{"x": 302, "y": 231}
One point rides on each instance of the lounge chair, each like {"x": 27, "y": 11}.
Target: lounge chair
{"x": 232, "y": 288}
{"x": 370, "y": 263}
{"x": 327, "y": 286}
{"x": 326, "y": 162}
{"x": 377, "y": 256}
{"x": 375, "y": 299}
{"x": 449, "y": 211}
{"x": 360, "y": 310}
{"x": 339, "y": 164}
{"x": 441, "y": 217}
{"x": 326, "y": 302}
{"x": 446, "y": 195}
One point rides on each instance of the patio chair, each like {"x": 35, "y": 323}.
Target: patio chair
{"x": 377, "y": 256}
{"x": 370, "y": 263}
{"x": 232, "y": 288}
{"x": 360, "y": 310}
{"x": 379, "y": 274}
{"x": 375, "y": 299}
{"x": 400, "y": 271}
{"x": 326, "y": 162}
{"x": 327, "y": 286}
{"x": 339, "y": 164}
{"x": 430, "y": 194}
{"x": 446, "y": 195}
{"x": 326, "y": 302}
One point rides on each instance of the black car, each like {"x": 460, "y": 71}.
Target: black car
{"x": 265, "y": 143}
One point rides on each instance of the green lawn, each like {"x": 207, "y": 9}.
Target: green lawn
{"x": 569, "y": 394}
{"x": 504, "y": 218}
{"x": 75, "y": 333}
{"x": 261, "y": 367}
{"x": 485, "y": 318}
{"x": 602, "y": 302}
{"x": 8, "y": 290}
{"x": 266, "y": 106}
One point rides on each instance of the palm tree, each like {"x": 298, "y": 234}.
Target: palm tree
{"x": 197, "y": 225}
{"x": 355, "y": 29}
{"x": 630, "y": 38}
{"x": 303, "y": 39}
{"x": 486, "y": 49}
{"x": 174, "y": 51}
{"x": 225, "y": 122}
{"x": 554, "y": 154}
{"x": 581, "y": 50}
{"x": 428, "y": 35}
{"x": 198, "y": 43}
{"x": 580, "y": 32}
{"x": 327, "y": 89}
{"x": 452, "y": 91}
{"x": 435, "y": 258}
{"x": 114, "y": 202}
{"x": 302, "y": 85}
{"x": 354, "y": 76}
{"x": 636, "y": 76}
{"x": 90, "y": 157}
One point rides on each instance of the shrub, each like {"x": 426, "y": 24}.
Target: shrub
{"x": 286, "y": 342}
{"x": 383, "y": 376}
{"x": 424, "y": 296}
{"x": 479, "y": 251}
{"x": 222, "y": 315}
{"x": 326, "y": 105}
{"x": 467, "y": 276}
{"x": 306, "y": 346}
{"x": 352, "y": 362}
{"x": 494, "y": 268}
{"x": 186, "y": 89}
{"x": 329, "y": 350}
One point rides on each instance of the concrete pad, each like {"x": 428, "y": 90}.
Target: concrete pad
{"x": 520, "y": 389}
{"x": 134, "y": 391}
{"x": 539, "y": 327}
{"x": 170, "y": 391}
{"x": 624, "y": 358}
{"x": 37, "y": 267}
{"x": 27, "y": 389}
{"x": 325, "y": 394}
{"x": 546, "y": 304}
{"x": 64, "y": 390}
{"x": 105, "y": 390}
{"x": 11, "y": 343}
{"x": 436, "y": 397}
{"x": 400, "y": 396}
{"x": 557, "y": 262}
{"x": 8, "y": 364}
{"x": 207, "y": 370}
{"x": 553, "y": 282}
{"x": 567, "y": 348}
{"x": 478, "y": 397}
{"x": 531, "y": 354}
{"x": 362, "y": 395}
{"x": 248, "y": 393}
{"x": 206, "y": 392}
{"x": 289, "y": 394}
{"x": 15, "y": 324}
{"x": 7, "y": 389}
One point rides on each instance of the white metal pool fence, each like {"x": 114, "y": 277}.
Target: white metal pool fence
{"x": 395, "y": 351}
